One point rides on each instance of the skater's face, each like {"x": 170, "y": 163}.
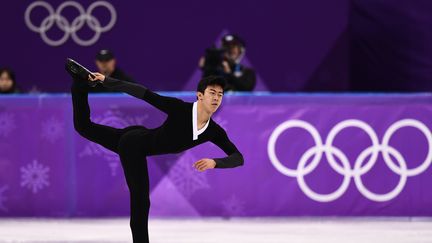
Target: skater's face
{"x": 212, "y": 98}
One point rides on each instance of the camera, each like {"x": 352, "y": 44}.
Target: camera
{"x": 213, "y": 61}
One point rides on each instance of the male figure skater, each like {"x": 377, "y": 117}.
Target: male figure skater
{"x": 187, "y": 125}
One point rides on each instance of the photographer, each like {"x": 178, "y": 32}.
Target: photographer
{"x": 225, "y": 61}
{"x": 107, "y": 65}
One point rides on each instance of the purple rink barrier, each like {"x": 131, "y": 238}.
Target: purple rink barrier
{"x": 316, "y": 155}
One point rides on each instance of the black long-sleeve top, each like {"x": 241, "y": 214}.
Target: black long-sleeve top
{"x": 117, "y": 74}
{"x": 176, "y": 133}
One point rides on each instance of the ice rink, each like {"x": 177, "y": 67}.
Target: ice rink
{"x": 268, "y": 230}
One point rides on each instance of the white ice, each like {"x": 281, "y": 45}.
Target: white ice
{"x": 214, "y": 230}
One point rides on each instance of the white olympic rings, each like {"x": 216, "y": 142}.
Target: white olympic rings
{"x": 70, "y": 28}
{"x": 363, "y": 163}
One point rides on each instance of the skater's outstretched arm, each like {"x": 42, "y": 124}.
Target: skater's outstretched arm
{"x": 163, "y": 103}
{"x": 234, "y": 158}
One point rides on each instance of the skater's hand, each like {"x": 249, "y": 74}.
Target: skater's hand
{"x": 98, "y": 76}
{"x": 204, "y": 164}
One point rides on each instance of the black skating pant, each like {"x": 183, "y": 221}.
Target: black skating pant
{"x": 125, "y": 142}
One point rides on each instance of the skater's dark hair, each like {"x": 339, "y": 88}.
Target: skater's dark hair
{"x": 211, "y": 80}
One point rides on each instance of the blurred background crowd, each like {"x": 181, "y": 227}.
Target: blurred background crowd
{"x": 308, "y": 46}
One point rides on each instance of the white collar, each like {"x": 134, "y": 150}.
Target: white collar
{"x": 195, "y": 130}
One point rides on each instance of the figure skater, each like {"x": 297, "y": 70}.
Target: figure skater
{"x": 187, "y": 125}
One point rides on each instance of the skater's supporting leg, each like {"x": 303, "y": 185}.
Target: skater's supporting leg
{"x": 134, "y": 164}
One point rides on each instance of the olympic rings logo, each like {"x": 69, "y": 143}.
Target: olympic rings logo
{"x": 70, "y": 28}
{"x": 362, "y": 165}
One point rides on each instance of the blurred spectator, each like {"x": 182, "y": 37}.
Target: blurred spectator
{"x": 107, "y": 65}
{"x": 7, "y": 81}
{"x": 225, "y": 61}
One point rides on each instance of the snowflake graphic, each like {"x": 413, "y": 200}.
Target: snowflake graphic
{"x": 185, "y": 177}
{"x": 52, "y": 130}
{"x": 34, "y": 176}
{"x": 7, "y": 124}
{"x": 93, "y": 149}
{"x": 112, "y": 118}
{"x": 233, "y": 206}
{"x": 3, "y": 198}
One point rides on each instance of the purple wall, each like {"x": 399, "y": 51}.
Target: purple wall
{"x": 307, "y": 45}
{"x": 391, "y": 45}
{"x": 294, "y": 45}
